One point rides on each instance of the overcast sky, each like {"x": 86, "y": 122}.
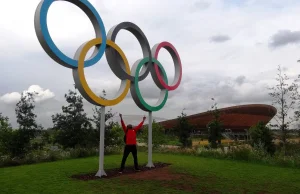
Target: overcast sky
{"x": 230, "y": 50}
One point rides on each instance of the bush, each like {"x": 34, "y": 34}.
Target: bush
{"x": 12, "y": 142}
{"x": 114, "y": 136}
{"x": 242, "y": 153}
{"x": 49, "y": 155}
{"x": 262, "y": 135}
{"x": 214, "y": 127}
{"x": 113, "y": 150}
{"x": 83, "y": 152}
{"x": 172, "y": 140}
{"x": 158, "y": 135}
{"x": 183, "y": 130}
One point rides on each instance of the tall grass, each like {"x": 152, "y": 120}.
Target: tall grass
{"x": 48, "y": 155}
{"x": 239, "y": 152}
{"x": 243, "y": 153}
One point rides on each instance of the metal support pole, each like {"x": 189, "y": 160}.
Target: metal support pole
{"x": 150, "y": 163}
{"x": 101, "y": 171}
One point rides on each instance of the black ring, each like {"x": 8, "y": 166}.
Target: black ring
{"x": 114, "y": 59}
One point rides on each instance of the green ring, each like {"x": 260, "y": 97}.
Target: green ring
{"x": 138, "y": 92}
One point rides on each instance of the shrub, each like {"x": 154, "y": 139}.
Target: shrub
{"x": 114, "y": 136}
{"x": 183, "y": 131}
{"x": 158, "y": 135}
{"x": 241, "y": 153}
{"x": 113, "y": 150}
{"x": 13, "y": 143}
{"x": 261, "y": 135}
{"x": 172, "y": 140}
{"x": 244, "y": 153}
{"x": 214, "y": 127}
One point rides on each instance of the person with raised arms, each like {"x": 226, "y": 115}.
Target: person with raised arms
{"x": 130, "y": 143}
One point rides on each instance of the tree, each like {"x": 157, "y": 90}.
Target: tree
{"x": 27, "y": 124}
{"x": 48, "y": 136}
{"x": 25, "y": 115}
{"x": 158, "y": 135}
{"x": 215, "y": 127}
{"x": 261, "y": 135}
{"x": 113, "y": 132}
{"x": 284, "y": 96}
{"x": 183, "y": 130}
{"x": 5, "y": 135}
{"x": 4, "y": 123}
{"x": 74, "y": 128}
{"x": 11, "y": 141}
{"x": 297, "y": 112}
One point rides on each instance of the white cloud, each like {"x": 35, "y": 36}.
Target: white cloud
{"x": 10, "y": 97}
{"x": 41, "y": 95}
{"x": 209, "y": 70}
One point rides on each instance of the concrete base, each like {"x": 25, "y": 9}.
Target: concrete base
{"x": 150, "y": 165}
{"x": 101, "y": 173}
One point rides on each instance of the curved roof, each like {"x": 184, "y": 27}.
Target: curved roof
{"x": 236, "y": 117}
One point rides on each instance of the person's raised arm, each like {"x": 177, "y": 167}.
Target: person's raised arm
{"x": 140, "y": 125}
{"x": 123, "y": 124}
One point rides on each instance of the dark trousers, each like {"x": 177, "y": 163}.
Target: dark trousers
{"x": 127, "y": 150}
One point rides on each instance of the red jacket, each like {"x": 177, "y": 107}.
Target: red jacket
{"x": 131, "y": 134}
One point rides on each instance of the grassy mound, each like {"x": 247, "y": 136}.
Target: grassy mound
{"x": 186, "y": 174}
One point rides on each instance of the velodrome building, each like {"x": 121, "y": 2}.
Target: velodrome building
{"x": 236, "y": 120}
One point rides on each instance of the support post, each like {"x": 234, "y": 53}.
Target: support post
{"x": 150, "y": 163}
{"x": 101, "y": 171}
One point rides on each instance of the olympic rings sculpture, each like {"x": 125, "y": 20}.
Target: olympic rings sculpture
{"x": 116, "y": 58}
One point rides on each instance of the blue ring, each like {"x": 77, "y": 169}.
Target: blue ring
{"x": 44, "y": 29}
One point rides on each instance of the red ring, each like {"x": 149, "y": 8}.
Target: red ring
{"x": 157, "y": 71}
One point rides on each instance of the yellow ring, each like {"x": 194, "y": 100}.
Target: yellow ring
{"x": 98, "y": 100}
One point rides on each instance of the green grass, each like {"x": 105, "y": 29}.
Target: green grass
{"x": 210, "y": 176}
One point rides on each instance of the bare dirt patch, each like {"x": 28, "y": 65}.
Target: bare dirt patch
{"x": 263, "y": 192}
{"x": 166, "y": 178}
{"x": 161, "y": 173}
{"x": 111, "y": 173}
